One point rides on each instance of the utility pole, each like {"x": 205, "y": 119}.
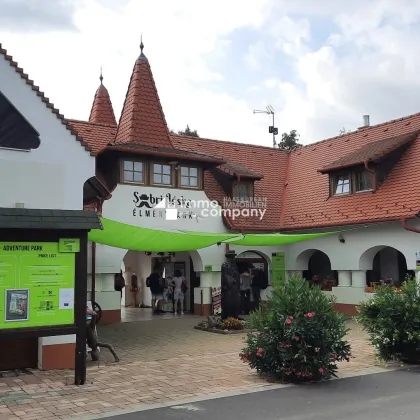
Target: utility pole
{"x": 271, "y": 129}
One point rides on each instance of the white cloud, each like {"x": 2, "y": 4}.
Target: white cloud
{"x": 367, "y": 65}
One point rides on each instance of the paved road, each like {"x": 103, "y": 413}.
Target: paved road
{"x": 385, "y": 396}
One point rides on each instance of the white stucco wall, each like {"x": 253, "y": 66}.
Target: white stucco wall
{"x": 361, "y": 245}
{"x": 52, "y": 176}
{"x": 354, "y": 256}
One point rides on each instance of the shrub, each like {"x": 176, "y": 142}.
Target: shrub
{"x": 300, "y": 337}
{"x": 392, "y": 320}
{"x": 232, "y": 324}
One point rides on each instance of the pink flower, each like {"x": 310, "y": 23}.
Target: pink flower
{"x": 334, "y": 356}
{"x": 297, "y": 338}
{"x": 306, "y": 315}
{"x": 245, "y": 360}
{"x": 288, "y": 321}
{"x": 321, "y": 370}
{"x": 317, "y": 349}
{"x": 299, "y": 374}
{"x": 259, "y": 352}
{"x": 290, "y": 317}
{"x": 310, "y": 315}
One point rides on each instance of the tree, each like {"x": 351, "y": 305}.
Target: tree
{"x": 289, "y": 141}
{"x": 188, "y": 132}
{"x": 343, "y": 131}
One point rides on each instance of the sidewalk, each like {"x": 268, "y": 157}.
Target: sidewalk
{"x": 161, "y": 360}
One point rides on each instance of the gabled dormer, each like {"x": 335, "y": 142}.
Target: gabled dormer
{"x": 237, "y": 181}
{"x": 367, "y": 168}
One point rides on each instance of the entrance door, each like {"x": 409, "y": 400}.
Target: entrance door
{"x": 19, "y": 354}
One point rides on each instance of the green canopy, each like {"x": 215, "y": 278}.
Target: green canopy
{"x": 272, "y": 239}
{"x": 121, "y": 235}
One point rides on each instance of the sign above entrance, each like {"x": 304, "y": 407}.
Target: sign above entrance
{"x": 36, "y": 285}
{"x": 147, "y": 204}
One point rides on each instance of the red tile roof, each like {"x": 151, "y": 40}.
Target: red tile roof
{"x": 102, "y": 111}
{"x": 308, "y": 204}
{"x": 234, "y": 169}
{"x": 297, "y": 193}
{"x": 142, "y": 120}
{"x": 40, "y": 94}
{"x": 268, "y": 162}
{"x": 370, "y": 152}
{"x": 98, "y": 136}
{"x": 164, "y": 151}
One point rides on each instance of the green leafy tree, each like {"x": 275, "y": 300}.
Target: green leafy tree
{"x": 188, "y": 132}
{"x": 289, "y": 141}
{"x": 300, "y": 337}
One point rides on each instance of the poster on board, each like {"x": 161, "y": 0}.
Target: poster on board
{"x": 278, "y": 265}
{"x": 36, "y": 285}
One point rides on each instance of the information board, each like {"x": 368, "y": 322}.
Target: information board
{"x": 278, "y": 268}
{"x": 36, "y": 285}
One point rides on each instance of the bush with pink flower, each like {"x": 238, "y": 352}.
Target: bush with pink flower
{"x": 300, "y": 337}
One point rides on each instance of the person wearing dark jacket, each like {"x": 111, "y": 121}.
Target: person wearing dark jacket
{"x": 154, "y": 282}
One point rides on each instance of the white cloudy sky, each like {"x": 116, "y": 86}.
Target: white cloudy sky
{"x": 322, "y": 64}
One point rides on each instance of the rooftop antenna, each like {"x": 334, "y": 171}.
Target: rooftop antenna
{"x": 269, "y": 110}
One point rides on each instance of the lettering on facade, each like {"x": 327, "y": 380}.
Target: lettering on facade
{"x": 145, "y": 205}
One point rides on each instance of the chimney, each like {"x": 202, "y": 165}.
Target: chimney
{"x": 366, "y": 122}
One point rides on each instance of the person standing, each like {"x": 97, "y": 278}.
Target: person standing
{"x": 134, "y": 289}
{"x": 180, "y": 286}
{"x": 119, "y": 283}
{"x": 245, "y": 288}
{"x": 154, "y": 281}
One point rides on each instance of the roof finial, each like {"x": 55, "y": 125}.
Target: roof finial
{"x": 101, "y": 77}
{"x": 141, "y": 44}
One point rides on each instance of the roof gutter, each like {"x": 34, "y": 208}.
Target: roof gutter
{"x": 410, "y": 228}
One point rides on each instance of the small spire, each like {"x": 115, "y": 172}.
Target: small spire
{"x": 141, "y": 44}
{"x": 101, "y": 77}
{"x": 142, "y": 57}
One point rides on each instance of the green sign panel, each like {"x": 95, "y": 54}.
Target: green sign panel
{"x": 208, "y": 268}
{"x": 36, "y": 285}
{"x": 69, "y": 245}
{"x": 278, "y": 266}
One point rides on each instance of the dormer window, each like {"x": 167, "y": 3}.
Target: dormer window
{"x": 363, "y": 181}
{"x": 342, "y": 184}
{"x": 133, "y": 171}
{"x": 243, "y": 191}
{"x": 162, "y": 174}
{"x": 189, "y": 177}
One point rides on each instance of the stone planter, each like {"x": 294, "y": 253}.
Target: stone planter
{"x": 225, "y": 332}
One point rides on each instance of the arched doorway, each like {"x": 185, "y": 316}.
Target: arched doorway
{"x": 166, "y": 263}
{"x": 384, "y": 264}
{"x": 319, "y": 267}
{"x": 252, "y": 259}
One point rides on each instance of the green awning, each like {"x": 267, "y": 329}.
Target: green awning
{"x": 273, "y": 239}
{"x": 135, "y": 238}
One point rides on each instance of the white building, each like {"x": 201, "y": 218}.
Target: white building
{"x": 363, "y": 186}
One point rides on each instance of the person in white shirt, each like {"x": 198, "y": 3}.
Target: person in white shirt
{"x": 179, "y": 285}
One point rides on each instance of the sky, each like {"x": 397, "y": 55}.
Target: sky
{"x": 321, "y": 64}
